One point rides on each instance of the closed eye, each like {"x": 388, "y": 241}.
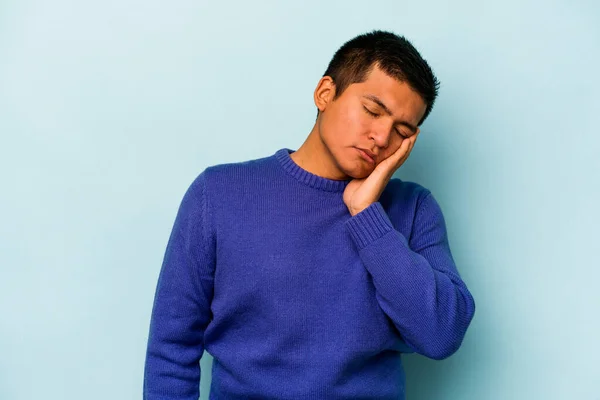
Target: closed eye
{"x": 377, "y": 115}
{"x": 370, "y": 112}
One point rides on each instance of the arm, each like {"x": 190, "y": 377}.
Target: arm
{"x": 417, "y": 283}
{"x": 181, "y": 308}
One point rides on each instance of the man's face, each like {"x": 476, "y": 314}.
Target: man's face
{"x": 347, "y": 123}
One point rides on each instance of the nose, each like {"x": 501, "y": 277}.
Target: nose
{"x": 381, "y": 136}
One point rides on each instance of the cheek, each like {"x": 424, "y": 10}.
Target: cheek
{"x": 394, "y": 145}
{"x": 353, "y": 121}
{"x": 339, "y": 120}
{"x": 348, "y": 126}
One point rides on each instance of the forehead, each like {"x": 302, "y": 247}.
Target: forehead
{"x": 398, "y": 96}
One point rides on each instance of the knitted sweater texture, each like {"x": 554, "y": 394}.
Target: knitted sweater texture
{"x": 295, "y": 298}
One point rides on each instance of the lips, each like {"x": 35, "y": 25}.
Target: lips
{"x": 367, "y": 155}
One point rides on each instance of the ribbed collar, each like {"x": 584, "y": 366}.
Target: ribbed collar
{"x": 306, "y": 177}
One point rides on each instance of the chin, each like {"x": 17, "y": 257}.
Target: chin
{"x": 354, "y": 167}
{"x": 357, "y": 171}
{"x": 361, "y": 174}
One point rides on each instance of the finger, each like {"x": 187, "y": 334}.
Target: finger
{"x": 413, "y": 140}
{"x": 405, "y": 146}
{"x": 390, "y": 164}
{"x": 397, "y": 155}
{"x": 411, "y": 144}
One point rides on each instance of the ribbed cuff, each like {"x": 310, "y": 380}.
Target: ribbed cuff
{"x": 369, "y": 225}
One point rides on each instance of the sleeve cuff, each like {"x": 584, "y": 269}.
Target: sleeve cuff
{"x": 369, "y": 225}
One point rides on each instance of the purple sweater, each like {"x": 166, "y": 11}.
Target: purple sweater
{"x": 293, "y": 297}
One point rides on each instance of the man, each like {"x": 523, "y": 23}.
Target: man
{"x": 306, "y": 274}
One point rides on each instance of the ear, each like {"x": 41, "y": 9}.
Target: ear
{"x": 324, "y": 92}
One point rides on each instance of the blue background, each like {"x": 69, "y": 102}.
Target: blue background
{"x": 109, "y": 109}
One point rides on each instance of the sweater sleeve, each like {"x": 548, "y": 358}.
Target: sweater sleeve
{"x": 181, "y": 307}
{"x": 416, "y": 284}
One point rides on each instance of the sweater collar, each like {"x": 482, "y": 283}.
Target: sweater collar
{"x": 306, "y": 177}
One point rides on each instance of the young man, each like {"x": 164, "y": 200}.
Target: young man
{"x": 306, "y": 274}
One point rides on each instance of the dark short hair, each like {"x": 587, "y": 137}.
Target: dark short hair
{"x": 393, "y": 54}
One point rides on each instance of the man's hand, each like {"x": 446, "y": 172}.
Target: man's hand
{"x": 360, "y": 193}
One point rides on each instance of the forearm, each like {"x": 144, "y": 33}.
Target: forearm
{"x": 181, "y": 308}
{"x": 422, "y": 293}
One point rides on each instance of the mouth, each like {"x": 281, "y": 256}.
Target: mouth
{"x": 366, "y": 156}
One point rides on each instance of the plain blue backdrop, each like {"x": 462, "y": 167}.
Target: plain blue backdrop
{"x": 109, "y": 109}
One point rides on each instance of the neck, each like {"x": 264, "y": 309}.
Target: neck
{"x": 316, "y": 158}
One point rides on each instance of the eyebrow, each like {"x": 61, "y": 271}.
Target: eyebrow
{"x": 376, "y": 99}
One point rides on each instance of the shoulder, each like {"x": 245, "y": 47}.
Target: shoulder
{"x": 403, "y": 193}
{"x": 404, "y": 201}
{"x": 236, "y": 167}
{"x": 220, "y": 178}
